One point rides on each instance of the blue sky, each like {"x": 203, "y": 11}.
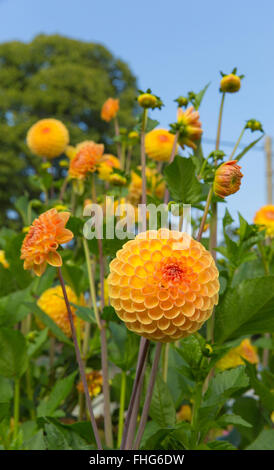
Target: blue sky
{"x": 175, "y": 46}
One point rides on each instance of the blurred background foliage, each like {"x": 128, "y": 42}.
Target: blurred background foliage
{"x": 54, "y": 76}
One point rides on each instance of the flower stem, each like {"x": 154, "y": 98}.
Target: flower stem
{"x": 237, "y": 144}
{"x": 135, "y": 396}
{"x": 143, "y": 164}
{"x": 80, "y": 362}
{"x": 121, "y": 408}
{"x": 196, "y": 407}
{"x": 214, "y": 218}
{"x": 165, "y": 361}
{"x": 173, "y": 151}
{"x": 117, "y": 134}
{"x": 16, "y": 408}
{"x": 146, "y": 407}
{"x": 203, "y": 221}
{"x": 91, "y": 283}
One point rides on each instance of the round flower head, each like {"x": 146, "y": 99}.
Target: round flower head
{"x": 235, "y": 356}
{"x": 86, "y": 160}
{"x": 53, "y": 304}
{"x": 265, "y": 218}
{"x": 163, "y": 285}
{"x": 94, "y": 381}
{"x": 147, "y": 100}
{"x": 48, "y": 138}
{"x": 227, "y": 179}
{"x": 3, "y": 260}
{"x": 109, "y": 163}
{"x": 158, "y": 144}
{"x": 109, "y": 109}
{"x": 190, "y": 127}
{"x": 230, "y": 83}
{"x": 42, "y": 240}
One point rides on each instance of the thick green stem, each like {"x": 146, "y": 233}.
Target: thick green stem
{"x": 195, "y": 411}
{"x": 165, "y": 361}
{"x": 16, "y": 408}
{"x": 143, "y": 164}
{"x": 121, "y": 408}
{"x": 91, "y": 283}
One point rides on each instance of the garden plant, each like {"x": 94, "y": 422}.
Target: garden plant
{"x": 120, "y": 330}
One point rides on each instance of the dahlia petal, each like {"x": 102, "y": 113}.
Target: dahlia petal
{"x": 54, "y": 259}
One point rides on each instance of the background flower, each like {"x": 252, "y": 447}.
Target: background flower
{"x": 48, "y": 138}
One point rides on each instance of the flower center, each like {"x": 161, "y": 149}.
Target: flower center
{"x": 270, "y": 215}
{"x": 163, "y": 138}
{"x": 45, "y": 130}
{"x": 173, "y": 273}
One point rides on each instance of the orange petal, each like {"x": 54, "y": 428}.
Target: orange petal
{"x": 54, "y": 259}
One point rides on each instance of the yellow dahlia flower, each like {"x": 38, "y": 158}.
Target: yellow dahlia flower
{"x": 158, "y": 144}
{"x": 108, "y": 164}
{"x": 235, "y": 356}
{"x": 3, "y": 260}
{"x": 184, "y": 413}
{"x": 163, "y": 285}
{"x": 155, "y": 185}
{"x": 265, "y": 218}
{"x": 53, "y": 304}
{"x": 48, "y": 138}
{"x": 191, "y": 127}
{"x": 94, "y": 381}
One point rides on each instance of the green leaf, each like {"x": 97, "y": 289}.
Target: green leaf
{"x": 250, "y": 410}
{"x": 6, "y": 391}
{"x": 60, "y": 391}
{"x": 182, "y": 182}
{"x": 36, "y": 442}
{"x": 223, "y": 385}
{"x": 123, "y": 346}
{"x": 233, "y": 419}
{"x": 248, "y": 147}
{"x": 55, "y": 438}
{"x": 199, "y": 97}
{"x": 162, "y": 408}
{"x": 221, "y": 445}
{"x": 85, "y": 313}
{"x": 266, "y": 396}
{"x": 13, "y": 353}
{"x": 265, "y": 441}
{"x": 246, "y": 309}
{"x": 47, "y": 321}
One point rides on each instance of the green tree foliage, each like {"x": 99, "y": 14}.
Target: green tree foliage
{"x": 54, "y": 76}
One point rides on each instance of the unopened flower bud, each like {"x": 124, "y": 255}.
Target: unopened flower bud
{"x": 147, "y": 100}
{"x": 182, "y": 101}
{"x": 254, "y": 125}
{"x": 133, "y": 135}
{"x": 227, "y": 179}
{"x": 230, "y": 83}
{"x": 117, "y": 180}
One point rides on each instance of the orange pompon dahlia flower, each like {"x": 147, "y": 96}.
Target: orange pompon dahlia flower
{"x": 42, "y": 240}
{"x": 227, "y": 179}
{"x": 265, "y": 218}
{"x": 109, "y": 109}
{"x": 53, "y": 304}
{"x": 163, "y": 285}
{"x": 158, "y": 144}
{"x": 190, "y": 127}
{"x": 48, "y": 138}
{"x": 235, "y": 356}
{"x": 86, "y": 160}
{"x": 94, "y": 381}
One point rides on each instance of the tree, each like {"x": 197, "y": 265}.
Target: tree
{"x": 54, "y": 76}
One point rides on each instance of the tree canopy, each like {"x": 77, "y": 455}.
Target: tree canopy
{"x": 54, "y": 76}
